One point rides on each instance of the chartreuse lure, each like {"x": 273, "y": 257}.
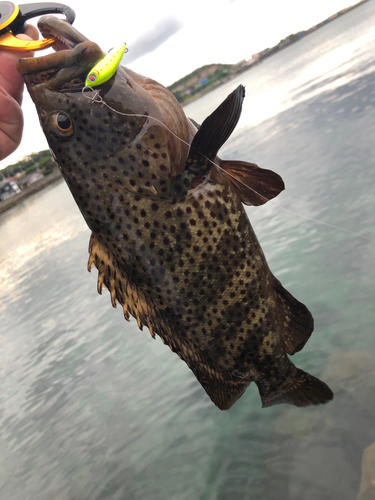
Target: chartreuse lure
{"x": 105, "y": 68}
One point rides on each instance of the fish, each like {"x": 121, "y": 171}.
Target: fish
{"x": 170, "y": 236}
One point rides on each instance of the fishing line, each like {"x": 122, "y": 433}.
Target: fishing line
{"x": 97, "y": 98}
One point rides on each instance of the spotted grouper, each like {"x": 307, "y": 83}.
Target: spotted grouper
{"x": 170, "y": 236}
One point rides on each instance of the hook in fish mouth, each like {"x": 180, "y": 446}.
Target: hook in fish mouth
{"x": 74, "y": 56}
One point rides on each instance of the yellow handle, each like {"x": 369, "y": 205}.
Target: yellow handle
{"x": 10, "y": 42}
{"x": 11, "y": 18}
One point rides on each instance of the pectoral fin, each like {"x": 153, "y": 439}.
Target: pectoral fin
{"x": 254, "y": 185}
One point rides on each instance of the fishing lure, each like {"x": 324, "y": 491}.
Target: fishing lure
{"x": 106, "y": 67}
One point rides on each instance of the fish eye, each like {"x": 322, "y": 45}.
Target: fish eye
{"x": 61, "y": 125}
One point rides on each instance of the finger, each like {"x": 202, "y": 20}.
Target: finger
{"x": 10, "y": 79}
{"x": 24, "y": 36}
{"x": 32, "y": 32}
{"x": 11, "y": 124}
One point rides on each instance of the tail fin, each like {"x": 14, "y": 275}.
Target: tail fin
{"x": 300, "y": 389}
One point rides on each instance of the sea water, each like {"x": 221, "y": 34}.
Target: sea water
{"x": 92, "y": 408}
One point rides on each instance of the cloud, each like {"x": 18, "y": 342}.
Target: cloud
{"x": 155, "y": 37}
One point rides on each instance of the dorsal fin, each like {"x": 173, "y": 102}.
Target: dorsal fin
{"x": 219, "y": 385}
{"x": 216, "y": 128}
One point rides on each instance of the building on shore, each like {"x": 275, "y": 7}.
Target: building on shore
{"x": 26, "y": 180}
{"x": 8, "y": 188}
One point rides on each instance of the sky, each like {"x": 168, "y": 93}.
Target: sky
{"x": 167, "y": 39}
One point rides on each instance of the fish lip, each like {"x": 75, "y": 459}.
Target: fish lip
{"x": 66, "y": 36}
{"x": 41, "y": 70}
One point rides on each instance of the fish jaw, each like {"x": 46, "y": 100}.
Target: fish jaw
{"x": 74, "y": 55}
{"x": 62, "y": 70}
{"x": 141, "y": 117}
{"x": 66, "y": 37}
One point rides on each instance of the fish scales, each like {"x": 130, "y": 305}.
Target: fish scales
{"x": 170, "y": 237}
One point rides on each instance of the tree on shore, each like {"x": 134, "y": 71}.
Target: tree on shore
{"x": 41, "y": 161}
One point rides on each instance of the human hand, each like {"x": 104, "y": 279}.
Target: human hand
{"x": 11, "y": 91}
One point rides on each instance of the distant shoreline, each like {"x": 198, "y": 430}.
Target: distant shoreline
{"x": 237, "y": 70}
{"x": 30, "y": 190}
{"x": 202, "y": 80}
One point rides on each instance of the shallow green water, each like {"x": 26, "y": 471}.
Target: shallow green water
{"x": 92, "y": 408}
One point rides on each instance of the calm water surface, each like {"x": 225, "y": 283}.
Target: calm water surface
{"x": 92, "y": 408}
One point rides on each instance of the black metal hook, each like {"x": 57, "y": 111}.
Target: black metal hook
{"x": 27, "y": 11}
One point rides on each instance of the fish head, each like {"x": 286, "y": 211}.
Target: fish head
{"x": 128, "y": 134}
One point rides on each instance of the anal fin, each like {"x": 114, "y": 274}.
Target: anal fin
{"x": 296, "y": 321}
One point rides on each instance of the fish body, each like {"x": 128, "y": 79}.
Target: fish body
{"x": 170, "y": 237}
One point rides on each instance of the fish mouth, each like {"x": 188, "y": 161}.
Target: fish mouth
{"x": 69, "y": 65}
